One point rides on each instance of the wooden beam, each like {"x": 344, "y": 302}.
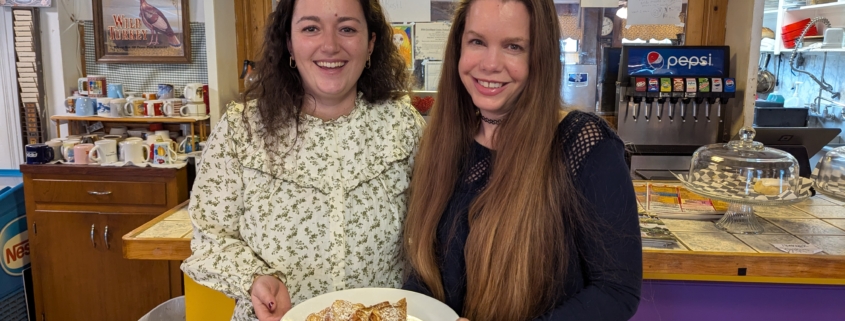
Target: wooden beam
{"x": 706, "y": 21}
{"x": 250, "y": 20}
{"x": 590, "y": 32}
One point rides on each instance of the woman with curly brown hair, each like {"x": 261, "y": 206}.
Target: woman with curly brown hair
{"x": 301, "y": 189}
{"x": 518, "y": 210}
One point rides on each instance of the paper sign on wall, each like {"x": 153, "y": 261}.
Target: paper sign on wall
{"x": 599, "y": 3}
{"x": 654, "y": 12}
{"x": 431, "y": 38}
{"x": 407, "y": 10}
{"x": 432, "y": 74}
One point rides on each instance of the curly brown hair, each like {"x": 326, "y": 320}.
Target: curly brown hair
{"x": 278, "y": 89}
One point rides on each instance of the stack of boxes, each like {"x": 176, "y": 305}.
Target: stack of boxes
{"x": 26, "y": 36}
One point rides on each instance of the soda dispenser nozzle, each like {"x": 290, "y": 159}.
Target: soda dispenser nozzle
{"x": 636, "y": 106}
{"x": 672, "y": 102}
{"x": 660, "y": 103}
{"x": 707, "y": 104}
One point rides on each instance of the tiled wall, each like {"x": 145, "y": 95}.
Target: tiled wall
{"x": 146, "y": 77}
{"x": 834, "y": 74}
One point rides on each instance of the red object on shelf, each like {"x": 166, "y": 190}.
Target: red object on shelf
{"x": 422, "y": 104}
{"x": 791, "y": 32}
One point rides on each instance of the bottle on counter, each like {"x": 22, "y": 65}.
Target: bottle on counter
{"x": 794, "y": 101}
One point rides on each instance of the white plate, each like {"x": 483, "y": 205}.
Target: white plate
{"x": 421, "y": 307}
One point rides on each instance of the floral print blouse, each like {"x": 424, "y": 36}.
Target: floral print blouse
{"x": 324, "y": 214}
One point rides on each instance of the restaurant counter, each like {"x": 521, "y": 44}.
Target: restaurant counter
{"x": 733, "y": 265}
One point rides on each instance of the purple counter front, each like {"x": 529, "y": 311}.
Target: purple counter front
{"x": 711, "y": 301}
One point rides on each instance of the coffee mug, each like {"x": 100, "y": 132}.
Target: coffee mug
{"x": 193, "y": 93}
{"x": 116, "y": 105}
{"x": 117, "y": 139}
{"x": 173, "y": 107}
{"x": 80, "y": 153}
{"x": 119, "y": 130}
{"x": 149, "y": 96}
{"x": 189, "y": 144}
{"x": 104, "y": 108}
{"x": 96, "y": 86}
{"x": 154, "y": 108}
{"x": 104, "y": 152}
{"x": 173, "y": 145}
{"x": 115, "y": 90}
{"x": 165, "y": 91}
{"x": 135, "y": 107}
{"x": 85, "y": 106}
{"x": 135, "y": 151}
{"x": 82, "y": 86}
{"x": 135, "y": 133}
{"x": 92, "y": 137}
{"x": 67, "y": 149}
{"x": 56, "y": 145}
{"x": 72, "y": 137}
{"x": 150, "y": 140}
{"x": 163, "y": 153}
{"x": 163, "y": 134}
{"x": 70, "y": 104}
{"x": 194, "y": 110}
{"x": 205, "y": 98}
{"x": 37, "y": 154}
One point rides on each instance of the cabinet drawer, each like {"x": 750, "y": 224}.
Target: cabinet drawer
{"x": 100, "y": 192}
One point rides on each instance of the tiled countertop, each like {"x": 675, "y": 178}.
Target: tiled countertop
{"x": 706, "y": 253}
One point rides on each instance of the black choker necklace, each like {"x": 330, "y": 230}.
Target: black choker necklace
{"x": 491, "y": 121}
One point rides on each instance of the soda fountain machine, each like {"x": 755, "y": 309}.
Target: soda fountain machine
{"x": 671, "y": 101}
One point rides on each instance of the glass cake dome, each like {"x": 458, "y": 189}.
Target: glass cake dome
{"x": 744, "y": 173}
{"x": 828, "y": 174}
{"x": 745, "y": 168}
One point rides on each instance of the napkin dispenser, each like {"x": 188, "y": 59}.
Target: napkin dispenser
{"x": 833, "y": 38}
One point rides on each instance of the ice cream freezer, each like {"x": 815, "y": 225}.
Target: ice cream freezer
{"x": 15, "y": 242}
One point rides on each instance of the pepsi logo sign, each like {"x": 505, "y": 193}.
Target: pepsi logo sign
{"x": 655, "y": 60}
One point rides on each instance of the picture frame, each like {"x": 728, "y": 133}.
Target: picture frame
{"x": 27, "y": 3}
{"x": 403, "y": 38}
{"x": 142, "y": 31}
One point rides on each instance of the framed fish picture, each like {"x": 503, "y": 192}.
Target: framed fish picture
{"x": 142, "y": 31}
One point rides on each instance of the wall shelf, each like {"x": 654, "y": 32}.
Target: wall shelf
{"x": 824, "y": 6}
{"x": 169, "y": 120}
{"x": 776, "y": 19}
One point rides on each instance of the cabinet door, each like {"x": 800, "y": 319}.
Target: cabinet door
{"x": 131, "y": 287}
{"x": 66, "y": 261}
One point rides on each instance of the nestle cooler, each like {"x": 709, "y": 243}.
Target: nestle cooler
{"x": 15, "y": 243}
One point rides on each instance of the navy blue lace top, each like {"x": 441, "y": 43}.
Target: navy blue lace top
{"x": 602, "y": 284}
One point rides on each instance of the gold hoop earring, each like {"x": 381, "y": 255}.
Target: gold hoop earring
{"x": 292, "y": 63}
{"x": 368, "y": 62}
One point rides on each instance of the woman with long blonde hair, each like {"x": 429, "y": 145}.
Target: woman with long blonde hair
{"x": 519, "y": 211}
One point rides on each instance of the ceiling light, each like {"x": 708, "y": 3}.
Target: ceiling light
{"x": 622, "y": 13}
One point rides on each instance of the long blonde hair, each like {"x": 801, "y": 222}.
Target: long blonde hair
{"x": 521, "y": 224}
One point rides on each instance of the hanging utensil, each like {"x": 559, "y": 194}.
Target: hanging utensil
{"x": 765, "y": 79}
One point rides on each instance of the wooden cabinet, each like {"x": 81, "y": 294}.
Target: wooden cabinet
{"x": 77, "y": 216}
